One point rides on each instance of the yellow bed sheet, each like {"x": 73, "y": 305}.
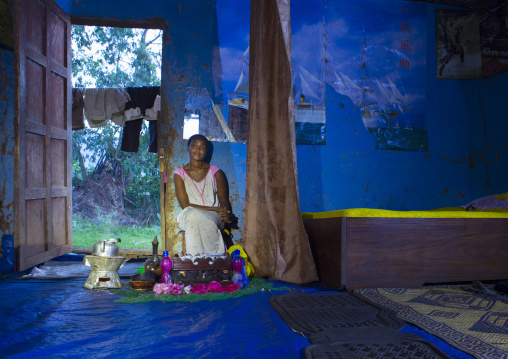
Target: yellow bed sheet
{"x": 447, "y": 212}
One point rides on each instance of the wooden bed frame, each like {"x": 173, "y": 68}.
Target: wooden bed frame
{"x": 353, "y": 252}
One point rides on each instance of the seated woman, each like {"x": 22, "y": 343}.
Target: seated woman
{"x": 201, "y": 190}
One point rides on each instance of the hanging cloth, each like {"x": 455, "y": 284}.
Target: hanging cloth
{"x": 142, "y": 98}
{"x": 275, "y": 239}
{"x": 101, "y": 104}
{"x": 78, "y": 121}
{"x": 152, "y": 127}
{"x": 151, "y": 115}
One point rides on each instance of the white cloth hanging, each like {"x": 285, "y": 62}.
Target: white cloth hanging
{"x": 104, "y": 104}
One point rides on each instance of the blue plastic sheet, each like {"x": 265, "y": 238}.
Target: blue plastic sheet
{"x": 53, "y": 319}
{"x": 61, "y": 319}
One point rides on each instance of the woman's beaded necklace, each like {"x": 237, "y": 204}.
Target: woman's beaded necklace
{"x": 202, "y": 192}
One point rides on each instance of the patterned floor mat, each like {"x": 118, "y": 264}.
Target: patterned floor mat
{"x": 471, "y": 318}
{"x": 370, "y": 343}
{"x": 313, "y": 313}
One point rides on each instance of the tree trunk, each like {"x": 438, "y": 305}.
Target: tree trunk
{"x": 81, "y": 160}
{"x": 143, "y": 38}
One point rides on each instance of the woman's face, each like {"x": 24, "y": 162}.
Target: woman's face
{"x": 197, "y": 149}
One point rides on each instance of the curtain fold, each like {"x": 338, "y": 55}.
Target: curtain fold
{"x": 275, "y": 239}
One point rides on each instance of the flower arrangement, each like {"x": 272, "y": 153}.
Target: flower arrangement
{"x": 173, "y": 289}
{"x": 180, "y": 289}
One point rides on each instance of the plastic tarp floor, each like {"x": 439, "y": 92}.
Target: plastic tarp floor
{"x": 61, "y": 319}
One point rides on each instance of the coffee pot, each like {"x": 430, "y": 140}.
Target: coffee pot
{"x": 106, "y": 248}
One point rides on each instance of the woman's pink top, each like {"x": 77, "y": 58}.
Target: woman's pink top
{"x": 204, "y": 192}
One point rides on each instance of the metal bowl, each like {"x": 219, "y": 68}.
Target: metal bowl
{"x": 141, "y": 284}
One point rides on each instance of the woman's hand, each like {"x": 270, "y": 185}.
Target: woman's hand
{"x": 225, "y": 215}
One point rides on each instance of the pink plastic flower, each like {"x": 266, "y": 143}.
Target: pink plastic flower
{"x": 199, "y": 289}
{"x": 159, "y": 288}
{"x": 215, "y": 286}
{"x": 175, "y": 289}
{"x": 233, "y": 287}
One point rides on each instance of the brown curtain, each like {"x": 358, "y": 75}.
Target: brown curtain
{"x": 275, "y": 239}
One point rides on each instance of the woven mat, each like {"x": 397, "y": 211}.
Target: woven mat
{"x": 470, "y": 318}
{"x": 313, "y": 313}
{"x": 370, "y": 343}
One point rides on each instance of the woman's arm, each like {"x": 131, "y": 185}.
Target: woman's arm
{"x": 223, "y": 194}
{"x": 183, "y": 199}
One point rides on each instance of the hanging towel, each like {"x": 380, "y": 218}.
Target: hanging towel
{"x": 94, "y": 107}
{"x": 78, "y": 122}
{"x": 101, "y": 103}
{"x": 116, "y": 98}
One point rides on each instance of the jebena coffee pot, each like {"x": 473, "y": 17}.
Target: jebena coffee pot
{"x": 106, "y": 248}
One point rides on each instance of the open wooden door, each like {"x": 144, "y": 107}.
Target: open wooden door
{"x": 43, "y": 189}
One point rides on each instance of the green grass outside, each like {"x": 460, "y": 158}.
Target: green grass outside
{"x": 85, "y": 233}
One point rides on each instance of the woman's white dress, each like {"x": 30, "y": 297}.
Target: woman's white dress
{"x": 202, "y": 228}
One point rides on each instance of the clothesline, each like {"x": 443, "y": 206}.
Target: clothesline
{"x": 126, "y": 107}
{"x": 119, "y": 105}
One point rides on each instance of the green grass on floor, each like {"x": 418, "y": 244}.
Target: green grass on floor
{"x": 85, "y": 233}
{"x": 255, "y": 285}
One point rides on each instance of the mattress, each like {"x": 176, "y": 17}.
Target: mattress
{"x": 447, "y": 212}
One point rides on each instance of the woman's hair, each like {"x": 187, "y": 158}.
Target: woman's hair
{"x": 193, "y": 137}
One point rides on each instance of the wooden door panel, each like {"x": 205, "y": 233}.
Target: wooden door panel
{"x": 56, "y": 105}
{"x": 43, "y": 222}
{"x": 34, "y": 161}
{"x": 36, "y": 31}
{"x": 58, "y": 40}
{"x": 58, "y": 170}
{"x": 35, "y": 80}
{"x": 60, "y": 225}
{"x": 35, "y": 239}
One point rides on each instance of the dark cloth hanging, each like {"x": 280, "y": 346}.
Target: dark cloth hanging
{"x": 142, "y": 98}
{"x": 78, "y": 121}
{"x": 152, "y": 127}
{"x": 275, "y": 239}
{"x": 130, "y": 135}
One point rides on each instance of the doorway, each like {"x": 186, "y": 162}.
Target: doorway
{"x": 116, "y": 192}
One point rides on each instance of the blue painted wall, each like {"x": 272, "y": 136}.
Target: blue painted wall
{"x": 188, "y": 55}
{"x": 467, "y": 157}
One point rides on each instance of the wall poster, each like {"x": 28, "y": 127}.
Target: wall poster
{"x": 458, "y": 44}
{"x": 471, "y": 44}
{"x": 494, "y": 40}
{"x": 376, "y": 58}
